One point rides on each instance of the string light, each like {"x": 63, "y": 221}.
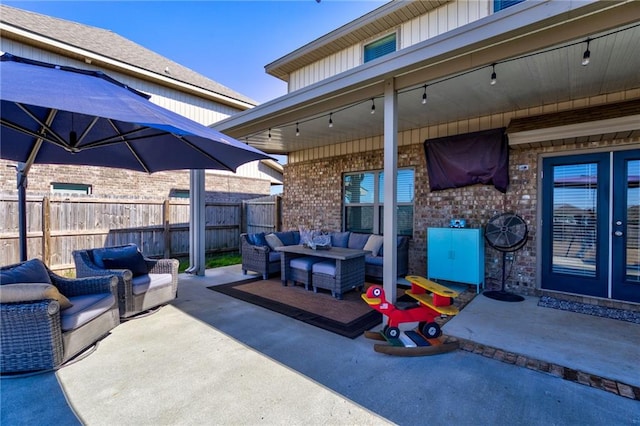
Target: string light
{"x": 585, "y": 61}
{"x": 269, "y": 133}
{"x": 586, "y": 57}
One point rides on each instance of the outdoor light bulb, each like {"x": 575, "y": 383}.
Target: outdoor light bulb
{"x": 424, "y": 96}
{"x": 493, "y": 75}
{"x": 586, "y": 57}
{"x": 373, "y": 106}
{"x": 297, "y": 130}
{"x": 331, "y": 120}
{"x": 269, "y": 132}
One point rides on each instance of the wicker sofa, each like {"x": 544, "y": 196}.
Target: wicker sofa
{"x": 46, "y": 319}
{"x": 143, "y": 283}
{"x": 259, "y": 257}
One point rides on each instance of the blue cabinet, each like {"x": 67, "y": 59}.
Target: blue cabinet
{"x": 456, "y": 254}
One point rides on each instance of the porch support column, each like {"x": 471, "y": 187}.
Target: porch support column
{"x": 390, "y": 267}
{"x": 196, "y": 223}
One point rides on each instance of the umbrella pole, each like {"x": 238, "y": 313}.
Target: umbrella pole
{"x": 21, "y": 178}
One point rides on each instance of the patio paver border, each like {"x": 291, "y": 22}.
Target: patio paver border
{"x": 566, "y": 373}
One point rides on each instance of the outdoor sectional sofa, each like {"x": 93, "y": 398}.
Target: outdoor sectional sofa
{"x": 259, "y": 256}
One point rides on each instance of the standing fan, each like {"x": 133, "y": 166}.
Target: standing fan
{"x": 505, "y": 232}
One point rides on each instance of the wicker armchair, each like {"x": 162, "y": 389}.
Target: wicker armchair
{"x": 136, "y": 294}
{"x": 35, "y": 334}
{"x": 258, "y": 258}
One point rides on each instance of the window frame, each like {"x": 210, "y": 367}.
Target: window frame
{"x": 499, "y": 5}
{"x": 183, "y": 194}
{"x": 377, "y": 205}
{"x": 371, "y": 41}
{"x": 70, "y": 188}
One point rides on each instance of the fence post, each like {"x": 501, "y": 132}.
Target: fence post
{"x": 243, "y": 217}
{"x": 278, "y": 213}
{"x": 46, "y": 230}
{"x": 166, "y": 217}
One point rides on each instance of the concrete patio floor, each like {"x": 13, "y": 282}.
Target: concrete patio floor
{"x": 210, "y": 359}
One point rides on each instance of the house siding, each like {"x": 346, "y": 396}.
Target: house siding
{"x": 436, "y": 22}
{"x": 193, "y": 107}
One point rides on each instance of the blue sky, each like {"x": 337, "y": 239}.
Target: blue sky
{"x": 228, "y": 41}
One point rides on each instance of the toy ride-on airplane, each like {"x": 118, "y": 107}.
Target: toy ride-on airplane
{"x": 433, "y": 300}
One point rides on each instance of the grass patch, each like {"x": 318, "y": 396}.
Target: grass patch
{"x": 214, "y": 261}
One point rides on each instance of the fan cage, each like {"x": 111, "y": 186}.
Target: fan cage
{"x": 506, "y": 232}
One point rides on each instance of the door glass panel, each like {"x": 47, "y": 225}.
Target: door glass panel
{"x": 633, "y": 221}
{"x": 575, "y": 195}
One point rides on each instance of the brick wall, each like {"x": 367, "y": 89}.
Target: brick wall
{"x": 107, "y": 182}
{"x": 313, "y": 198}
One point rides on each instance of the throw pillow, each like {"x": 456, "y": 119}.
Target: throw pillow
{"x": 31, "y": 271}
{"x": 135, "y": 263}
{"x": 273, "y": 241}
{"x": 373, "y": 244}
{"x": 288, "y": 238}
{"x": 257, "y": 239}
{"x": 340, "y": 239}
{"x": 113, "y": 253}
{"x": 357, "y": 241}
{"x": 27, "y": 292}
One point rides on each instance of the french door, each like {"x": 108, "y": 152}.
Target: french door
{"x": 591, "y": 224}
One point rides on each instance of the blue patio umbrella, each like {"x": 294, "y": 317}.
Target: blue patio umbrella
{"x": 54, "y": 114}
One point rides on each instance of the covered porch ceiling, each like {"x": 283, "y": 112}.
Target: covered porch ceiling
{"x": 537, "y": 49}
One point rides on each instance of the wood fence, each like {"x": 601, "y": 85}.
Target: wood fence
{"x": 262, "y": 214}
{"x": 56, "y": 226}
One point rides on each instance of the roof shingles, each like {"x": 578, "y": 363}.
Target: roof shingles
{"x": 111, "y": 45}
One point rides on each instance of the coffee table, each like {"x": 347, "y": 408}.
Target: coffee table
{"x": 349, "y": 271}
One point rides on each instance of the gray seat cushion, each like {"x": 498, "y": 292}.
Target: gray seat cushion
{"x": 144, "y": 283}
{"x": 274, "y": 256}
{"x": 374, "y": 260}
{"x": 304, "y": 263}
{"x": 327, "y": 267}
{"x": 84, "y": 309}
